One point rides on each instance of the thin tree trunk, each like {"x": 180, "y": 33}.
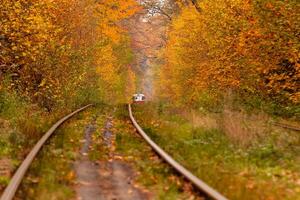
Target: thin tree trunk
{"x": 195, "y": 3}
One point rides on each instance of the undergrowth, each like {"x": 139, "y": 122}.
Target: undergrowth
{"x": 268, "y": 168}
{"x": 22, "y": 124}
{"x": 162, "y": 181}
{"x": 51, "y": 175}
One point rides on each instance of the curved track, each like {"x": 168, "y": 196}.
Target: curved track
{"x": 183, "y": 171}
{"x": 12, "y": 187}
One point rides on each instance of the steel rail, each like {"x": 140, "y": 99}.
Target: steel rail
{"x": 187, "y": 174}
{"x": 293, "y": 128}
{"x": 14, "y": 183}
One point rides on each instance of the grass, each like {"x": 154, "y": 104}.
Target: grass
{"x": 51, "y": 175}
{"x": 20, "y": 126}
{"x": 266, "y": 169}
{"x": 153, "y": 174}
{"x": 22, "y": 123}
{"x": 98, "y": 150}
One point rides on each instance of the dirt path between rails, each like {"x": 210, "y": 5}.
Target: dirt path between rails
{"x": 104, "y": 180}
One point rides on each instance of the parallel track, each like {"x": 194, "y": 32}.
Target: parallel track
{"x": 13, "y": 185}
{"x": 201, "y": 185}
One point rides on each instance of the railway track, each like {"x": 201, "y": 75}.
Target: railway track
{"x": 11, "y": 189}
{"x": 14, "y": 183}
{"x": 286, "y": 126}
{"x": 198, "y": 183}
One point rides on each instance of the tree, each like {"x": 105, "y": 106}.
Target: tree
{"x": 50, "y": 48}
{"x": 248, "y": 47}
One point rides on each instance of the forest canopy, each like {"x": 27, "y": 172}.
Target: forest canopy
{"x": 247, "y": 48}
{"x": 53, "y": 49}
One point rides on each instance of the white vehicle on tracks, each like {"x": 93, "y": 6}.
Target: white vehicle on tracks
{"x": 138, "y": 98}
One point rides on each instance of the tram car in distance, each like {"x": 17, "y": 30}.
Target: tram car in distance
{"x": 138, "y": 98}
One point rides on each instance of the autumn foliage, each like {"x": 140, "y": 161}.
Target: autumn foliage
{"x": 50, "y": 50}
{"x": 233, "y": 46}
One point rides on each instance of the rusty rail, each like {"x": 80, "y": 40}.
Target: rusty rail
{"x": 14, "y": 183}
{"x": 286, "y": 126}
{"x": 201, "y": 185}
